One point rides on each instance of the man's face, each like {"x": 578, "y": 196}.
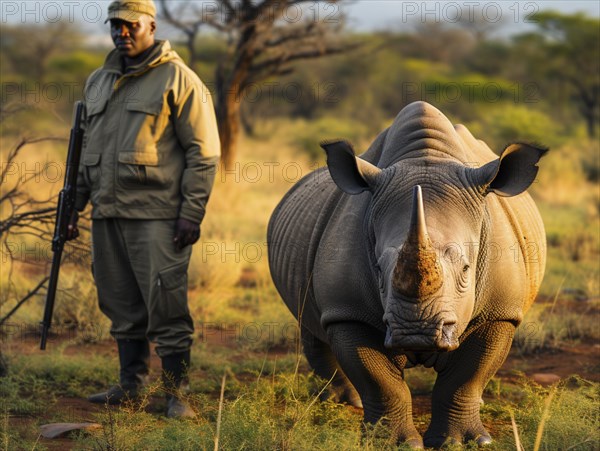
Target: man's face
{"x": 132, "y": 38}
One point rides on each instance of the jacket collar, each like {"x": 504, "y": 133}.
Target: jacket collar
{"x": 161, "y": 53}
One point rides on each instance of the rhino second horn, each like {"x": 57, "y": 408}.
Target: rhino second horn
{"x": 418, "y": 273}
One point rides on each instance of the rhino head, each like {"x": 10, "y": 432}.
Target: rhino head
{"x": 425, "y": 222}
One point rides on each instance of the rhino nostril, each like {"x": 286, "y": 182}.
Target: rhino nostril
{"x": 449, "y": 328}
{"x": 449, "y": 340}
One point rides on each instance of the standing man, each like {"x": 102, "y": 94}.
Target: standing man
{"x": 149, "y": 158}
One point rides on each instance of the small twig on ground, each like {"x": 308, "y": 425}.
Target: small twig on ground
{"x": 545, "y": 415}
{"x": 315, "y": 399}
{"x": 516, "y": 432}
{"x": 218, "y": 433}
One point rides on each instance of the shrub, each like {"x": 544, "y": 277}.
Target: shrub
{"x": 507, "y": 123}
{"x": 309, "y": 135}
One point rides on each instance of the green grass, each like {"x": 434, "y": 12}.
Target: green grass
{"x": 573, "y": 419}
{"x": 46, "y": 376}
{"x": 559, "y": 324}
{"x": 277, "y": 408}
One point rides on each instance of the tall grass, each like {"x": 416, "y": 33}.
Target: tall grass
{"x": 551, "y": 326}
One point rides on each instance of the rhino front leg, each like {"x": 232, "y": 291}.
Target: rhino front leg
{"x": 457, "y": 392}
{"x": 323, "y": 362}
{"x": 377, "y": 375}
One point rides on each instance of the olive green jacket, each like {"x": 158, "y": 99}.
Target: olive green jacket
{"x": 151, "y": 144}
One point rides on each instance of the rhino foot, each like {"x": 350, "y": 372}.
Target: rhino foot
{"x": 342, "y": 395}
{"x": 415, "y": 443}
{"x": 437, "y": 441}
{"x": 405, "y": 436}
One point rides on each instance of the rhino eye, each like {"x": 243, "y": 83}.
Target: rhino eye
{"x": 463, "y": 278}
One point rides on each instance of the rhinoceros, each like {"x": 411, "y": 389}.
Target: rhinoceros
{"x": 425, "y": 250}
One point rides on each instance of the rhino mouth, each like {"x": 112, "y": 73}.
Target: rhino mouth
{"x": 442, "y": 338}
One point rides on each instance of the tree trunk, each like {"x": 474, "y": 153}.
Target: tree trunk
{"x": 228, "y": 119}
{"x": 193, "y": 57}
{"x": 590, "y": 119}
{"x": 3, "y": 366}
{"x": 591, "y": 123}
{"x": 247, "y": 123}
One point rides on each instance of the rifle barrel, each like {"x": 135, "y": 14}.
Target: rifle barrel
{"x": 64, "y": 211}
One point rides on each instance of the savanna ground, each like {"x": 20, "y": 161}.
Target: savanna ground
{"x": 247, "y": 338}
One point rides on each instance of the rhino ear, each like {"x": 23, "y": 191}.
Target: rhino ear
{"x": 351, "y": 174}
{"x": 513, "y": 172}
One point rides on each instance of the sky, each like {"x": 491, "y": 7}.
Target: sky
{"x": 363, "y": 15}
{"x": 394, "y": 14}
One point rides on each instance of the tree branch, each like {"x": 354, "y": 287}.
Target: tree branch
{"x": 18, "y": 219}
{"x": 302, "y": 55}
{"x": 25, "y": 299}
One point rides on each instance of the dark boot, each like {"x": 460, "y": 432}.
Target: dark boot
{"x": 134, "y": 357}
{"x": 175, "y": 367}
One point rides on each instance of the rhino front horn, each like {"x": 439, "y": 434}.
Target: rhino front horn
{"x": 418, "y": 273}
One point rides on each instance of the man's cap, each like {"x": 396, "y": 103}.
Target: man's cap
{"x": 130, "y": 10}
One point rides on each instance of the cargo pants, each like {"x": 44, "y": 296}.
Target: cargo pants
{"x": 141, "y": 280}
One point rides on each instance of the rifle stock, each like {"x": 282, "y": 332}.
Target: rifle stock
{"x": 64, "y": 211}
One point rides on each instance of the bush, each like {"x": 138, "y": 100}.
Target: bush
{"x": 310, "y": 134}
{"x": 508, "y": 123}
{"x": 571, "y": 411}
{"x": 547, "y": 326}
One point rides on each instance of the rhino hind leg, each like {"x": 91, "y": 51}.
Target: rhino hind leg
{"x": 323, "y": 362}
{"x": 457, "y": 392}
{"x": 377, "y": 375}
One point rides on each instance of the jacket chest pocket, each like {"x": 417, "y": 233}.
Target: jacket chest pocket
{"x": 139, "y": 159}
{"x": 142, "y": 128}
{"x": 93, "y": 141}
{"x": 95, "y": 128}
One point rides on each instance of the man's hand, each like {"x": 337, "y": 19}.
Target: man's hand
{"x": 186, "y": 233}
{"x": 72, "y": 230}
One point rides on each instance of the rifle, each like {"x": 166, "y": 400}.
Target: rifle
{"x": 64, "y": 211}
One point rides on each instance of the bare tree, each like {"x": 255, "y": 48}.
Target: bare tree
{"x": 29, "y": 48}
{"x": 263, "y": 41}
{"x": 22, "y": 216}
{"x": 25, "y": 217}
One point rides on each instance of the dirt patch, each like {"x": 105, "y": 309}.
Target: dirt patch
{"x": 581, "y": 359}
{"x": 67, "y": 409}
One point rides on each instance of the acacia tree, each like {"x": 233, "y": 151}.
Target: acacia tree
{"x": 572, "y": 46}
{"x": 263, "y": 40}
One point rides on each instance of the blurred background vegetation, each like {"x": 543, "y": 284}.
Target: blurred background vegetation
{"x": 540, "y": 85}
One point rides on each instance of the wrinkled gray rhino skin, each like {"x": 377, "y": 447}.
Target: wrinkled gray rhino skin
{"x": 427, "y": 252}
